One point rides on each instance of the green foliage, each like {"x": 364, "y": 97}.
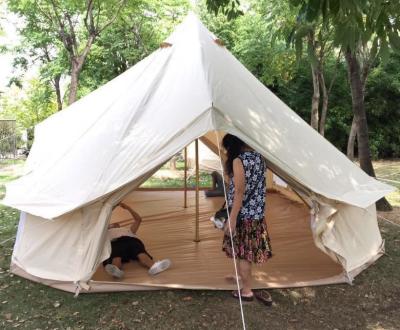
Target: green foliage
{"x": 252, "y": 38}
{"x": 30, "y": 108}
{"x": 8, "y": 139}
{"x": 257, "y": 38}
{"x": 133, "y": 34}
{"x": 229, "y": 8}
{"x": 357, "y": 22}
{"x": 136, "y": 33}
{"x": 297, "y": 92}
{"x": 382, "y": 102}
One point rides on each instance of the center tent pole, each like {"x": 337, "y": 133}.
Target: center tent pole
{"x": 197, "y": 236}
{"x": 185, "y": 180}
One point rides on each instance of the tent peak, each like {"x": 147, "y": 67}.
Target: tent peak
{"x": 190, "y": 30}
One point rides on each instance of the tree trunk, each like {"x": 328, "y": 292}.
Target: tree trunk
{"x": 315, "y": 98}
{"x": 58, "y": 92}
{"x": 30, "y": 137}
{"x": 357, "y": 94}
{"x": 172, "y": 163}
{"x": 325, "y": 99}
{"x": 73, "y": 87}
{"x": 352, "y": 139}
{"x": 77, "y": 62}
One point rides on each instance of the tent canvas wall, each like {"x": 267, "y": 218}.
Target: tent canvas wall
{"x": 88, "y": 157}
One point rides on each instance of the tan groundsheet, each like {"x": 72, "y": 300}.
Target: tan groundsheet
{"x": 168, "y": 232}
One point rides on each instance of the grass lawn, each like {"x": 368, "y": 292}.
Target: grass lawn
{"x": 389, "y": 172}
{"x": 371, "y": 303}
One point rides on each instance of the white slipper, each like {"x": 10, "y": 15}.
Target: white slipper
{"x": 114, "y": 271}
{"x": 159, "y": 266}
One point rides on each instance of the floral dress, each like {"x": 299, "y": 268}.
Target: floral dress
{"x": 251, "y": 241}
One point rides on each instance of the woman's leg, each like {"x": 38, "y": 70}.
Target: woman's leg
{"x": 245, "y": 274}
{"x": 232, "y": 277}
{"x": 145, "y": 260}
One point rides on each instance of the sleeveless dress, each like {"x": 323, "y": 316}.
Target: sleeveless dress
{"x": 251, "y": 241}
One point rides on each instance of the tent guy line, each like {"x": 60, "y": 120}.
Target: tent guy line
{"x": 230, "y": 232}
{"x": 387, "y": 220}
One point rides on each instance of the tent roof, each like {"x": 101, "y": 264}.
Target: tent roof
{"x": 131, "y": 125}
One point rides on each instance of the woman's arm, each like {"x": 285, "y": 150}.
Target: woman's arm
{"x": 137, "y": 219}
{"x": 240, "y": 186}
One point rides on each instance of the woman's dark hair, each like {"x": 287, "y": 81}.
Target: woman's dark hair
{"x": 233, "y": 146}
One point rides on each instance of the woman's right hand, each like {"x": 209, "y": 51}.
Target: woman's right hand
{"x": 233, "y": 227}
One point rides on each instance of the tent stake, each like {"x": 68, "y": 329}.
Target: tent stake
{"x": 197, "y": 237}
{"x": 185, "y": 180}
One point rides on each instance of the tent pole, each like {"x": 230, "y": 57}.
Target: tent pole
{"x": 197, "y": 237}
{"x": 185, "y": 180}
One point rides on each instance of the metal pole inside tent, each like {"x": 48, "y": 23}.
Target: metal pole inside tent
{"x": 185, "y": 179}
{"x": 197, "y": 236}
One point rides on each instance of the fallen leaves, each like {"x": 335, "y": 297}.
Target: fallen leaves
{"x": 188, "y": 298}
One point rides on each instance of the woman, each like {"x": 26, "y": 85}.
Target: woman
{"x": 246, "y": 201}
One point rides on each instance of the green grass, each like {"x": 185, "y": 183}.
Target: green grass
{"x": 204, "y": 181}
{"x": 389, "y": 172}
{"x": 371, "y": 303}
{"x": 7, "y": 162}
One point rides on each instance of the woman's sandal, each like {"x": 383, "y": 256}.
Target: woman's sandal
{"x": 264, "y": 297}
{"x": 235, "y": 294}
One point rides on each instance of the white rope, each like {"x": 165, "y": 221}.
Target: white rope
{"x": 393, "y": 223}
{"x": 386, "y": 175}
{"x": 389, "y": 180}
{"x": 230, "y": 233}
{"x": 8, "y": 239}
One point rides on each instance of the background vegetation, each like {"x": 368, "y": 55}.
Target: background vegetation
{"x": 263, "y": 39}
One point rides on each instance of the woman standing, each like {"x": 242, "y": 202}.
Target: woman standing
{"x": 246, "y": 201}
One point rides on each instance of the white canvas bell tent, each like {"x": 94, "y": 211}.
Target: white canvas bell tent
{"x": 88, "y": 157}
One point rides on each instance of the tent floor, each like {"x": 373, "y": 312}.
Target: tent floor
{"x": 168, "y": 232}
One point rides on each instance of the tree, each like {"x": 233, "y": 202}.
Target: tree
{"x": 318, "y": 39}
{"x": 76, "y": 24}
{"x": 271, "y": 23}
{"x": 37, "y": 47}
{"x": 355, "y": 23}
{"x": 30, "y": 107}
{"x": 137, "y": 32}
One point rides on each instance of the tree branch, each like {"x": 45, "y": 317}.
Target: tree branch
{"x": 89, "y": 15}
{"x": 122, "y": 3}
{"x": 72, "y": 33}
{"x": 65, "y": 38}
